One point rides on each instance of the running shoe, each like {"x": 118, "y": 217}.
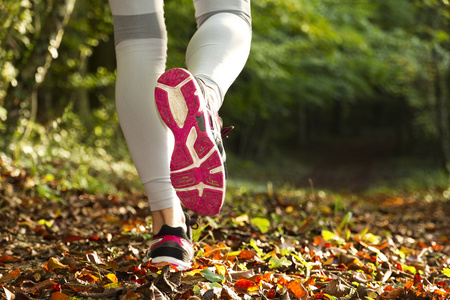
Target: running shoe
{"x": 172, "y": 245}
{"x": 197, "y": 167}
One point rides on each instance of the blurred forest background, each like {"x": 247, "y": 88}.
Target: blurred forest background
{"x": 349, "y": 95}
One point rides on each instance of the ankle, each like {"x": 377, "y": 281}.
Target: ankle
{"x": 173, "y": 217}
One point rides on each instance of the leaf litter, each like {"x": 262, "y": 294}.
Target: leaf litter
{"x": 288, "y": 244}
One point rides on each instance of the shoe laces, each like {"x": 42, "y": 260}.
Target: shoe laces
{"x": 225, "y": 131}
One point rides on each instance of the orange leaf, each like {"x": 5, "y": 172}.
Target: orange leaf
{"x": 388, "y": 288}
{"x": 437, "y": 247}
{"x": 212, "y": 251}
{"x": 88, "y": 278}
{"x": 8, "y": 258}
{"x": 247, "y": 254}
{"x": 11, "y": 275}
{"x": 53, "y": 264}
{"x": 221, "y": 269}
{"x": 310, "y": 281}
{"x": 319, "y": 241}
{"x": 60, "y": 296}
{"x": 440, "y": 292}
{"x": 246, "y": 285}
{"x": 296, "y": 288}
{"x": 283, "y": 281}
{"x": 409, "y": 285}
{"x": 112, "y": 277}
{"x": 266, "y": 277}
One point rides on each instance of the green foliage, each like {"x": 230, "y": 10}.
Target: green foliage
{"x": 314, "y": 65}
{"x": 262, "y": 224}
{"x": 275, "y": 262}
{"x": 69, "y": 157}
{"x": 308, "y": 54}
{"x": 211, "y": 276}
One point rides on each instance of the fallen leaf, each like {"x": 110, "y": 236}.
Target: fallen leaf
{"x": 211, "y": 276}
{"x": 112, "y": 277}
{"x": 53, "y": 264}
{"x": 297, "y": 289}
{"x": 10, "y": 276}
{"x": 8, "y": 258}
{"x": 41, "y": 285}
{"x": 262, "y": 224}
{"x": 60, "y": 296}
{"x": 245, "y": 285}
{"x": 247, "y": 254}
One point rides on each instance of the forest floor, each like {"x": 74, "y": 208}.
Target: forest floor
{"x": 280, "y": 243}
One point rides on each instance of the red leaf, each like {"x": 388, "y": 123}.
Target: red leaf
{"x": 417, "y": 279}
{"x": 94, "y": 238}
{"x": 388, "y": 288}
{"x": 271, "y": 294}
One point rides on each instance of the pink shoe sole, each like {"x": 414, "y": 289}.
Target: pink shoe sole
{"x": 196, "y": 168}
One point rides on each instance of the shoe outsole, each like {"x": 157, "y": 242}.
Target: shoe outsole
{"x": 197, "y": 171}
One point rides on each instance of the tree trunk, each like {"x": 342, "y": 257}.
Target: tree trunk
{"x": 34, "y": 66}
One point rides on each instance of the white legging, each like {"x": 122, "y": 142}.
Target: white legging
{"x": 216, "y": 53}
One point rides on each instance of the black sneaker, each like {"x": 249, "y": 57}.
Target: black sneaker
{"x": 172, "y": 245}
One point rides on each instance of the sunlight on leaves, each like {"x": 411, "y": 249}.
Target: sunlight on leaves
{"x": 211, "y": 276}
{"x": 330, "y": 297}
{"x": 262, "y": 224}
{"x": 255, "y": 246}
{"x": 327, "y": 235}
{"x": 275, "y": 262}
{"x": 54, "y": 264}
{"x": 446, "y": 272}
